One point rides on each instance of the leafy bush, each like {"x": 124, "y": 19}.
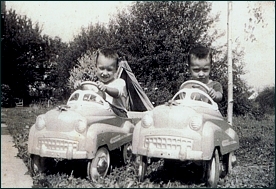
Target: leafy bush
{"x": 154, "y": 37}
{"x": 248, "y": 108}
{"x": 266, "y": 100}
{"x": 83, "y": 71}
{"x": 27, "y": 57}
{"x": 6, "y": 96}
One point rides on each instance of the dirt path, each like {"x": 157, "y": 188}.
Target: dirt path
{"x": 13, "y": 169}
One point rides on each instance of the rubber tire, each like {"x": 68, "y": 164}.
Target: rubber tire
{"x": 102, "y": 156}
{"x": 38, "y": 164}
{"x": 127, "y": 153}
{"x": 143, "y": 164}
{"x": 230, "y": 163}
{"x": 212, "y": 171}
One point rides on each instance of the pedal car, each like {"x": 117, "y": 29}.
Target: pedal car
{"x": 188, "y": 128}
{"x": 86, "y": 128}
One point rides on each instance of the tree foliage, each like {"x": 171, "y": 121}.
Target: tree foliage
{"x": 21, "y": 52}
{"x": 256, "y": 17}
{"x": 28, "y": 58}
{"x": 154, "y": 37}
{"x": 83, "y": 71}
{"x": 74, "y": 62}
{"x": 6, "y": 96}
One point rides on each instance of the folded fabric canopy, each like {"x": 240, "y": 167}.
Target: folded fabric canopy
{"x": 137, "y": 98}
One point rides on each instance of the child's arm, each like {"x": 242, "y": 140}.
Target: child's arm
{"x": 109, "y": 90}
{"x": 215, "y": 95}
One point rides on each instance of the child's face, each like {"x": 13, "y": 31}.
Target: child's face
{"x": 106, "y": 69}
{"x": 200, "y": 69}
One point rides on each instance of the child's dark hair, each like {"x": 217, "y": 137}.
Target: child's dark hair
{"x": 109, "y": 53}
{"x": 200, "y": 52}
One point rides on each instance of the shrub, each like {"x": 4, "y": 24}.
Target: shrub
{"x": 6, "y": 96}
{"x": 83, "y": 71}
{"x": 266, "y": 100}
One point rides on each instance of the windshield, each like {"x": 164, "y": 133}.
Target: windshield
{"x": 74, "y": 97}
{"x": 200, "y": 97}
{"x": 92, "y": 98}
{"x": 180, "y": 96}
{"x": 194, "y": 96}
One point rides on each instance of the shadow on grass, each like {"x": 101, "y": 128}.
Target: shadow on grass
{"x": 184, "y": 174}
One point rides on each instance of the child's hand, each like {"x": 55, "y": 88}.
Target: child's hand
{"x": 212, "y": 93}
{"x": 215, "y": 95}
{"x": 101, "y": 86}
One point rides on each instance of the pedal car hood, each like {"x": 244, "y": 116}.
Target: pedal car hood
{"x": 172, "y": 116}
{"x": 64, "y": 119}
{"x": 56, "y": 120}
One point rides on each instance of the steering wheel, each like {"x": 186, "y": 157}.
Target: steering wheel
{"x": 90, "y": 85}
{"x": 191, "y": 84}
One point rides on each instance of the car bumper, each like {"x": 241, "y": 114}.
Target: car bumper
{"x": 58, "y": 148}
{"x": 171, "y": 147}
{"x": 66, "y": 145}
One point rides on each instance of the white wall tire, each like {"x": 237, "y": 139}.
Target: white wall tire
{"x": 38, "y": 164}
{"x": 142, "y": 162}
{"x": 99, "y": 166}
{"x": 212, "y": 170}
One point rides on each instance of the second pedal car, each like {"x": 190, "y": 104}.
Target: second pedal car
{"x": 188, "y": 128}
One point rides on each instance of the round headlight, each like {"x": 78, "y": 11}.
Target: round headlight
{"x": 40, "y": 122}
{"x": 147, "y": 121}
{"x": 80, "y": 126}
{"x": 196, "y": 122}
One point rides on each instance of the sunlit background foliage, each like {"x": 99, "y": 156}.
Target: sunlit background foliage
{"x": 154, "y": 37}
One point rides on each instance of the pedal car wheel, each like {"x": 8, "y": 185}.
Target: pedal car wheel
{"x": 127, "y": 153}
{"x": 142, "y": 167}
{"x": 231, "y": 160}
{"x": 212, "y": 171}
{"x": 38, "y": 164}
{"x": 225, "y": 165}
{"x": 99, "y": 166}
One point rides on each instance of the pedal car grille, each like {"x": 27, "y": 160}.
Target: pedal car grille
{"x": 167, "y": 142}
{"x": 57, "y": 144}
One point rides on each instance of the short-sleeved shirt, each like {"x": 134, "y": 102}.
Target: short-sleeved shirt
{"x": 119, "y": 102}
{"x": 215, "y": 85}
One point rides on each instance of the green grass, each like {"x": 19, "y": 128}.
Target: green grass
{"x": 255, "y": 158}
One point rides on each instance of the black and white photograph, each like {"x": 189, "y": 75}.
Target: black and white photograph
{"x": 137, "y": 94}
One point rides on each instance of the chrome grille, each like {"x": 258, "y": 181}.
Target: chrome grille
{"x": 167, "y": 142}
{"x": 57, "y": 144}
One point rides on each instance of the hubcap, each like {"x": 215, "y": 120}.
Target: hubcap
{"x": 212, "y": 172}
{"x": 128, "y": 152}
{"x": 140, "y": 170}
{"x": 102, "y": 165}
